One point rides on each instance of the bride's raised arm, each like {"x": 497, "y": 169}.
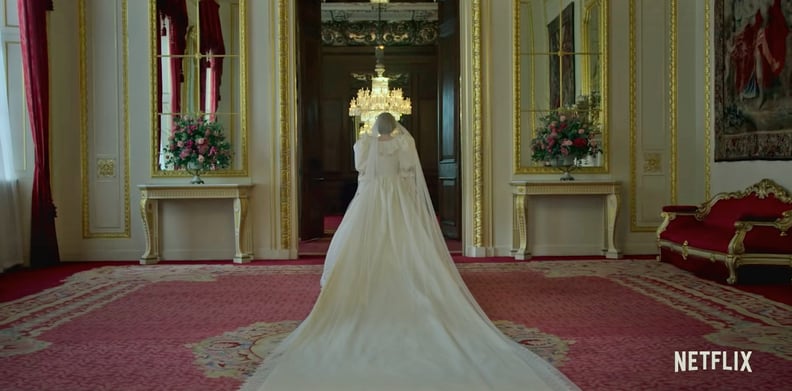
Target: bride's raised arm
{"x": 361, "y": 149}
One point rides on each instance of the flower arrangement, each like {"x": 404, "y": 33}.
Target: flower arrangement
{"x": 565, "y": 134}
{"x": 197, "y": 145}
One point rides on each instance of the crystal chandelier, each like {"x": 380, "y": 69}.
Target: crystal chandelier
{"x": 371, "y": 102}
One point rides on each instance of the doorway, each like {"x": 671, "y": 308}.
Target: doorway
{"x": 330, "y": 74}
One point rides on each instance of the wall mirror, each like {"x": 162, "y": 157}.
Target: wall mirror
{"x": 560, "y": 65}
{"x": 198, "y": 68}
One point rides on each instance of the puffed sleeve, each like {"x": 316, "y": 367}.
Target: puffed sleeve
{"x": 361, "y": 149}
{"x": 408, "y": 156}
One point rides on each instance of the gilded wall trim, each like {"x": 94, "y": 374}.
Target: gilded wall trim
{"x": 707, "y": 100}
{"x": 518, "y": 120}
{"x": 285, "y": 129}
{"x": 106, "y": 168}
{"x": 672, "y": 100}
{"x": 84, "y": 176}
{"x": 102, "y": 167}
{"x": 633, "y": 117}
{"x": 652, "y": 162}
{"x": 478, "y": 148}
{"x": 126, "y": 136}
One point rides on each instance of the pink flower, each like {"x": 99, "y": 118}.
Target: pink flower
{"x": 180, "y": 144}
{"x": 200, "y": 159}
{"x": 201, "y": 141}
{"x": 562, "y": 118}
{"x": 581, "y": 130}
{"x": 567, "y": 142}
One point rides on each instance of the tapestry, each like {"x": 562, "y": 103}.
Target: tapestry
{"x": 752, "y": 81}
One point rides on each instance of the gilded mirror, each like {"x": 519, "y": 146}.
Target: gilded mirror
{"x": 560, "y": 68}
{"x": 198, "y": 69}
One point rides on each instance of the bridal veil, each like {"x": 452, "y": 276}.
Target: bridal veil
{"x": 393, "y": 312}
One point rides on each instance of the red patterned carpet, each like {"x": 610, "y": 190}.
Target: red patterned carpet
{"x": 609, "y": 325}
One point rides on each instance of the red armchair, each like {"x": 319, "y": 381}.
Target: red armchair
{"x": 740, "y": 228}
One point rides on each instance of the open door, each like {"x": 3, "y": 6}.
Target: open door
{"x": 449, "y": 189}
{"x": 308, "y": 127}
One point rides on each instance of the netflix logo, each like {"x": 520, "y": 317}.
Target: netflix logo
{"x": 712, "y": 360}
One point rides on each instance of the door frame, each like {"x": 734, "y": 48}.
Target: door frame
{"x": 476, "y": 219}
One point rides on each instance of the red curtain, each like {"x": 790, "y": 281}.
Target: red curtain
{"x": 35, "y": 64}
{"x": 211, "y": 43}
{"x": 174, "y": 14}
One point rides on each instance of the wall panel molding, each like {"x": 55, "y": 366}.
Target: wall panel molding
{"x": 652, "y": 110}
{"x": 10, "y": 15}
{"x": 104, "y": 118}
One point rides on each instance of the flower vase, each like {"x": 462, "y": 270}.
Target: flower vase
{"x": 196, "y": 170}
{"x": 566, "y": 164}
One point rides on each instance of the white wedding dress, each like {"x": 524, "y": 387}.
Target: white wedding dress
{"x": 394, "y": 313}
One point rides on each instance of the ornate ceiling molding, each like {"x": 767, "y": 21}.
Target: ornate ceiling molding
{"x": 389, "y": 12}
{"x": 368, "y": 33}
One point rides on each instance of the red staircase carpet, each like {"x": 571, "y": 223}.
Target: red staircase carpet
{"x": 608, "y": 325}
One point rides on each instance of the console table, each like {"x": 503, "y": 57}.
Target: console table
{"x": 523, "y": 190}
{"x": 149, "y": 210}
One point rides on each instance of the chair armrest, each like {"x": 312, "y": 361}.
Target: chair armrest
{"x": 782, "y": 222}
{"x": 757, "y": 219}
{"x": 680, "y": 208}
{"x": 670, "y": 213}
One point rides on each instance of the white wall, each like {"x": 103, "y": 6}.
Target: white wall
{"x": 733, "y": 176}
{"x": 204, "y": 229}
{"x": 99, "y": 217}
{"x": 572, "y": 225}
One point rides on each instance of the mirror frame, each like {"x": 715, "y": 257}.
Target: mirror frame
{"x": 156, "y": 149}
{"x": 521, "y": 126}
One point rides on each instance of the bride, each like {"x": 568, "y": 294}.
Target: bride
{"x": 393, "y": 312}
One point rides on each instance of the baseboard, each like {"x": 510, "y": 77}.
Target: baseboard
{"x": 478, "y": 252}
